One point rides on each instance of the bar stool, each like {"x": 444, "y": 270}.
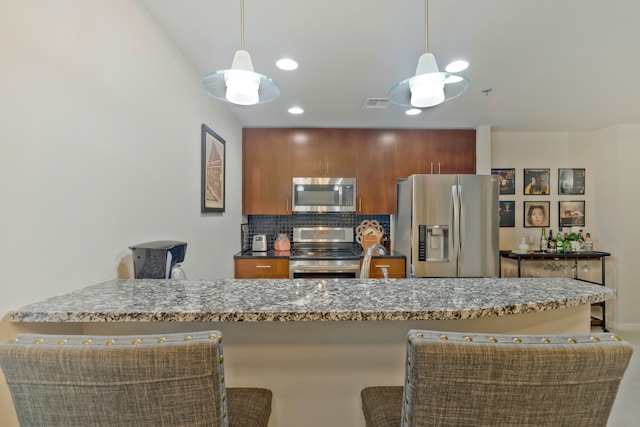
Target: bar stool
{"x": 150, "y": 380}
{"x": 457, "y": 379}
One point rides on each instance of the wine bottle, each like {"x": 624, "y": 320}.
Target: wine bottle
{"x": 543, "y": 240}
{"x": 551, "y": 243}
{"x": 588, "y": 244}
{"x": 559, "y": 242}
{"x": 581, "y": 243}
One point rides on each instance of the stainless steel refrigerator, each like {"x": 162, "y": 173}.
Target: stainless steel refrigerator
{"x": 447, "y": 225}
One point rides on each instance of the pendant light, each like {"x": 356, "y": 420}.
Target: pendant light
{"x": 240, "y": 85}
{"x": 429, "y": 86}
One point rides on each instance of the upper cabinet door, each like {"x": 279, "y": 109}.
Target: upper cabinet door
{"x": 434, "y": 151}
{"x": 376, "y": 172}
{"x": 455, "y": 151}
{"x": 414, "y": 152}
{"x": 319, "y": 152}
{"x": 266, "y": 171}
{"x": 340, "y": 153}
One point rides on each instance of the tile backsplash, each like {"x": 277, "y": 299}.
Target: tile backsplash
{"x": 272, "y": 225}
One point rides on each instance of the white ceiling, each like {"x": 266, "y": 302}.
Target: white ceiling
{"x": 551, "y": 65}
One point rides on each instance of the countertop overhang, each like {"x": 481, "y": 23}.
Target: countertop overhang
{"x": 235, "y": 300}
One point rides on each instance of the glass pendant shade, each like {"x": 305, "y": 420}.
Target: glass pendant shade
{"x": 240, "y": 85}
{"x": 428, "y": 87}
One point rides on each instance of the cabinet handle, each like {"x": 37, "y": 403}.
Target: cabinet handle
{"x": 432, "y": 167}
{"x": 383, "y": 266}
{"x": 263, "y": 266}
{"x": 287, "y": 205}
{"x": 360, "y": 204}
{"x": 439, "y": 172}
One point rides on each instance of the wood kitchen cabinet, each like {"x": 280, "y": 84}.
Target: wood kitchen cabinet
{"x": 261, "y": 268}
{"x": 395, "y": 268}
{"x": 376, "y": 172}
{"x": 266, "y": 171}
{"x": 376, "y": 157}
{"x": 323, "y": 152}
{"x": 435, "y": 151}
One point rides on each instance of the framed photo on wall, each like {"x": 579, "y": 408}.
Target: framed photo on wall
{"x": 507, "y": 180}
{"x": 536, "y": 181}
{"x": 571, "y": 181}
{"x": 213, "y": 168}
{"x": 536, "y": 213}
{"x": 571, "y": 213}
{"x": 507, "y": 213}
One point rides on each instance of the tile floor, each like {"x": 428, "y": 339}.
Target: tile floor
{"x": 626, "y": 409}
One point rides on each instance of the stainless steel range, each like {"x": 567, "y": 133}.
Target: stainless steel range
{"x": 324, "y": 252}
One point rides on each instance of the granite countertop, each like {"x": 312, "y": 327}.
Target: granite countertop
{"x": 256, "y": 300}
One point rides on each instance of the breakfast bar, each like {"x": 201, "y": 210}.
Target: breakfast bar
{"x": 317, "y": 343}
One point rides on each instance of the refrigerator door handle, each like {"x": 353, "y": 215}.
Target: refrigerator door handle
{"x": 461, "y": 228}
{"x": 455, "y": 223}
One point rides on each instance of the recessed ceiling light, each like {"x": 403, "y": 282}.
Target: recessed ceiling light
{"x": 287, "y": 64}
{"x": 457, "y": 66}
{"x": 413, "y": 111}
{"x": 296, "y": 110}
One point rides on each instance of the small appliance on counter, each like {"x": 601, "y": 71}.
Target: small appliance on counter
{"x": 159, "y": 259}
{"x": 259, "y": 243}
{"x": 282, "y": 243}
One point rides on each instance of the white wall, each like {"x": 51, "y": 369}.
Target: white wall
{"x": 100, "y": 149}
{"x": 609, "y": 157}
{"x": 616, "y": 153}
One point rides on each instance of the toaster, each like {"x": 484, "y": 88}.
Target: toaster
{"x": 259, "y": 243}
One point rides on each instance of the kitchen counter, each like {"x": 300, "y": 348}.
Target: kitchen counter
{"x": 317, "y": 343}
{"x": 286, "y": 254}
{"x": 259, "y": 300}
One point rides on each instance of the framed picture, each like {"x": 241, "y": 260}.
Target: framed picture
{"x": 571, "y": 213}
{"x": 213, "y": 168}
{"x": 244, "y": 236}
{"x": 507, "y": 213}
{"x": 571, "y": 181}
{"x": 507, "y": 180}
{"x": 536, "y": 213}
{"x": 536, "y": 181}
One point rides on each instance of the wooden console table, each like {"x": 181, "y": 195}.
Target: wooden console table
{"x": 572, "y": 256}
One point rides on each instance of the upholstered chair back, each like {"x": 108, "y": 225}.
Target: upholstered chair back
{"x": 151, "y": 380}
{"x": 475, "y": 379}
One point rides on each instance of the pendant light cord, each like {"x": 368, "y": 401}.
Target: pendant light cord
{"x": 242, "y": 24}
{"x": 426, "y": 25}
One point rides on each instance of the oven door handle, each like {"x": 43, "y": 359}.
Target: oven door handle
{"x": 323, "y": 269}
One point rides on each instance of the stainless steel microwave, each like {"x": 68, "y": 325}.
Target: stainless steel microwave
{"x": 324, "y": 195}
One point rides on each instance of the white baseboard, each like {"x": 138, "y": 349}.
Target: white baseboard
{"x": 623, "y": 326}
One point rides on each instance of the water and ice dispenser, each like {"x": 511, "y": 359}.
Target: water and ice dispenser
{"x": 433, "y": 243}
{"x": 159, "y": 259}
